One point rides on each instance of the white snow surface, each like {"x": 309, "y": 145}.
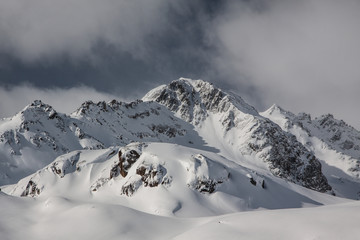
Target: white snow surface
{"x": 62, "y": 218}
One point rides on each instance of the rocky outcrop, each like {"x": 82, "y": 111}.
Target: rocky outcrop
{"x": 205, "y": 175}
{"x": 32, "y": 190}
{"x": 65, "y": 164}
{"x": 287, "y": 158}
{"x": 126, "y": 160}
{"x": 147, "y": 175}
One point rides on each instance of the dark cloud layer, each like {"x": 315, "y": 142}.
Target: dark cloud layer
{"x": 113, "y": 46}
{"x": 301, "y": 54}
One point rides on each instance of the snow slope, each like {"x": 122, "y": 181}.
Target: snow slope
{"x": 61, "y": 218}
{"x": 175, "y": 181}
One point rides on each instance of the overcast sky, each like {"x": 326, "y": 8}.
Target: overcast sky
{"x": 303, "y": 55}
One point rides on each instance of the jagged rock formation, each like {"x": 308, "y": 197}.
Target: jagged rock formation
{"x": 31, "y": 190}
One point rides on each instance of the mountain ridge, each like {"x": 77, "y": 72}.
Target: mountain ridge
{"x": 190, "y": 113}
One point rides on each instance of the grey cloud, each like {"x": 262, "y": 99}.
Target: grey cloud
{"x": 43, "y": 29}
{"x": 300, "y": 54}
{"x": 114, "y": 46}
{"x": 63, "y": 100}
{"x": 303, "y": 55}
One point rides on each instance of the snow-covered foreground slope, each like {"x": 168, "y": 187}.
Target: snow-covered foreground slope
{"x": 61, "y": 218}
{"x": 322, "y": 223}
{"x": 164, "y": 179}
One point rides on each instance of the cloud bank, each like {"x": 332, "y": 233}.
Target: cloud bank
{"x": 63, "y": 100}
{"x": 43, "y": 29}
{"x": 303, "y": 55}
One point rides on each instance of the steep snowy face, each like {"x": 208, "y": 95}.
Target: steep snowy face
{"x": 333, "y": 141}
{"x": 336, "y": 133}
{"x": 118, "y": 122}
{"x": 339, "y": 135}
{"x": 333, "y": 134}
{"x": 37, "y": 134}
{"x": 239, "y": 131}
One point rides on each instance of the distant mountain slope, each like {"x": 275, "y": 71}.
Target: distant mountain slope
{"x": 333, "y": 141}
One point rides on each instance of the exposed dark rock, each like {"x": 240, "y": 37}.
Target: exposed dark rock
{"x": 126, "y": 160}
{"x": 206, "y": 185}
{"x": 152, "y": 175}
{"x": 141, "y": 115}
{"x": 263, "y": 184}
{"x": 129, "y": 189}
{"x": 31, "y": 190}
{"x": 287, "y": 158}
{"x": 347, "y": 145}
{"x": 252, "y": 181}
{"x": 147, "y": 175}
{"x": 65, "y": 165}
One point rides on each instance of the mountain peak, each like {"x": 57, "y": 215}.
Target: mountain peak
{"x": 36, "y": 109}
{"x": 278, "y": 110}
{"x": 39, "y": 105}
{"x": 193, "y": 99}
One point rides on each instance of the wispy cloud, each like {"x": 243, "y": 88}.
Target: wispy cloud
{"x": 45, "y": 29}
{"x": 63, "y": 100}
{"x": 303, "y": 54}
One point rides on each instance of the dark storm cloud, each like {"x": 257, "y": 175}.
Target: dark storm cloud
{"x": 301, "y": 54}
{"x": 113, "y": 46}
{"x": 123, "y": 48}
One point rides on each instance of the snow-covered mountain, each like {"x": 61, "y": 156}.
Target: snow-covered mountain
{"x": 187, "y": 112}
{"x": 187, "y": 149}
{"x": 234, "y": 127}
